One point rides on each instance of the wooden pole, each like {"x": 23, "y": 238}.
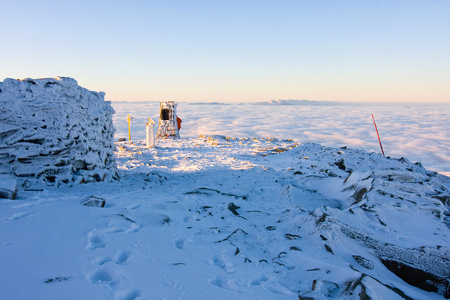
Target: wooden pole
{"x": 379, "y": 140}
{"x": 129, "y": 126}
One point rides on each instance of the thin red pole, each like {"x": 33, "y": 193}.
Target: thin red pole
{"x": 381, "y": 146}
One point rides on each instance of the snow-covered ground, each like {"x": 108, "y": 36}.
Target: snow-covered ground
{"x": 420, "y": 132}
{"x": 250, "y": 216}
{"x": 216, "y": 218}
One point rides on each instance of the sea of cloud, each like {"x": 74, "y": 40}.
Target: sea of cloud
{"x": 419, "y": 132}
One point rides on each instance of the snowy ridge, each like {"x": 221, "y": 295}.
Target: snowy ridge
{"x": 55, "y": 130}
{"x": 235, "y": 218}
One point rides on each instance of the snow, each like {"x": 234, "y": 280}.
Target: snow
{"x": 247, "y": 215}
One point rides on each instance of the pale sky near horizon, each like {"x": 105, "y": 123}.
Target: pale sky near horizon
{"x": 235, "y": 50}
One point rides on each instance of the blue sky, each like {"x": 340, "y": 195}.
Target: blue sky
{"x": 234, "y": 51}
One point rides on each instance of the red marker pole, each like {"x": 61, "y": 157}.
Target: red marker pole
{"x": 381, "y": 146}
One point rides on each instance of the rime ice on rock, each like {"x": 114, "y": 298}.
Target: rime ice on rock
{"x": 8, "y": 187}
{"x": 55, "y": 130}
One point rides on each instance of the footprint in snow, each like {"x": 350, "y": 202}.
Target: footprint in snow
{"x": 122, "y": 257}
{"x": 128, "y": 295}
{"x": 221, "y": 263}
{"x": 132, "y": 227}
{"x": 259, "y": 280}
{"x": 118, "y": 224}
{"x": 234, "y": 285}
{"x": 103, "y": 276}
{"x": 95, "y": 241}
{"x": 179, "y": 243}
{"x": 102, "y": 260}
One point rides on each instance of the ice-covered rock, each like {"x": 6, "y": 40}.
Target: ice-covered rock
{"x": 8, "y": 187}
{"x": 55, "y": 130}
{"x": 94, "y": 201}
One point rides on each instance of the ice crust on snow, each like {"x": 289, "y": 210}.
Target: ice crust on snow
{"x": 54, "y": 130}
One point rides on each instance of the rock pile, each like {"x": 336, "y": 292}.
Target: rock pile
{"x": 54, "y": 130}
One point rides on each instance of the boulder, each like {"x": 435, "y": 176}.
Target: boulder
{"x": 94, "y": 202}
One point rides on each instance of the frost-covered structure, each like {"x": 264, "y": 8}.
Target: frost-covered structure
{"x": 55, "y": 130}
{"x": 168, "y": 120}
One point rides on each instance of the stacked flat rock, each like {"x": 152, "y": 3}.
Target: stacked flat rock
{"x": 54, "y": 130}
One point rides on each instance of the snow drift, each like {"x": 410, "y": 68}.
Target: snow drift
{"x": 54, "y": 130}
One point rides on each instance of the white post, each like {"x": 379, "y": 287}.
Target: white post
{"x": 150, "y": 130}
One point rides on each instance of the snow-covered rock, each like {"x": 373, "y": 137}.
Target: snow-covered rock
{"x": 55, "y": 130}
{"x": 8, "y": 187}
